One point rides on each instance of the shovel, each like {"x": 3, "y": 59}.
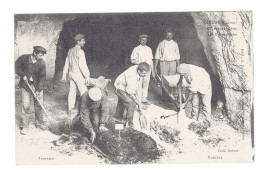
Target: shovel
{"x": 48, "y": 116}
{"x": 142, "y": 120}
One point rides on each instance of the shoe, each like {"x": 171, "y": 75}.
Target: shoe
{"x": 146, "y": 102}
{"x": 24, "y": 130}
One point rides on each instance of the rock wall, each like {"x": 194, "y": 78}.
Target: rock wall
{"x": 227, "y": 41}
{"x": 32, "y": 30}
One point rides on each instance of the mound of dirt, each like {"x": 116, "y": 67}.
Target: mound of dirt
{"x": 198, "y": 129}
{"x": 166, "y": 133}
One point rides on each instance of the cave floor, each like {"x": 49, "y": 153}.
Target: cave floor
{"x": 223, "y": 144}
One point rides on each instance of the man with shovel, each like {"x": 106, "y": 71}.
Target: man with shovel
{"x": 32, "y": 71}
{"x": 128, "y": 89}
{"x": 200, "y": 88}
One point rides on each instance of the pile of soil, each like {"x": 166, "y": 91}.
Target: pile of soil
{"x": 198, "y": 129}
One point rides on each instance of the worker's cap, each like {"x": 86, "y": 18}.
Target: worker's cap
{"x": 95, "y": 94}
{"x": 143, "y": 36}
{"x": 79, "y": 37}
{"x": 40, "y": 49}
{"x": 183, "y": 69}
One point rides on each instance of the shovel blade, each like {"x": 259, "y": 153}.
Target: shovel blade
{"x": 143, "y": 121}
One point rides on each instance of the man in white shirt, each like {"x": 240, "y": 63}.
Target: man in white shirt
{"x": 128, "y": 86}
{"x": 78, "y": 71}
{"x": 200, "y": 87}
{"x": 167, "y": 54}
{"x": 143, "y": 53}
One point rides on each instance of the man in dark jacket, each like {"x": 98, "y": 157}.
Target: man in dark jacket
{"x": 94, "y": 111}
{"x": 32, "y": 69}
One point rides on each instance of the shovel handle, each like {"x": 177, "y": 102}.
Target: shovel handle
{"x": 35, "y": 96}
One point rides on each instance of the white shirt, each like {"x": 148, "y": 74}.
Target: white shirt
{"x": 167, "y": 51}
{"x": 142, "y": 54}
{"x": 200, "y": 80}
{"x": 129, "y": 81}
{"x": 76, "y": 62}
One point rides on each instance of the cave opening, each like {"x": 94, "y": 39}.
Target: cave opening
{"x": 110, "y": 39}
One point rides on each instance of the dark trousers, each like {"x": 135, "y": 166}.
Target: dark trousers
{"x": 26, "y": 101}
{"x": 124, "y": 102}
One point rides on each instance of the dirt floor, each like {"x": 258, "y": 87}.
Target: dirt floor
{"x": 185, "y": 142}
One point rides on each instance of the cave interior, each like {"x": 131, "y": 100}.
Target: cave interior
{"x": 110, "y": 39}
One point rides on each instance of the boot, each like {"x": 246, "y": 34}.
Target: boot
{"x": 24, "y": 130}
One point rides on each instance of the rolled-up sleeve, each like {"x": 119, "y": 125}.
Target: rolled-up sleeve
{"x": 134, "y": 56}
{"x": 83, "y": 64}
{"x": 66, "y": 67}
{"x": 177, "y": 52}
{"x": 131, "y": 82}
{"x": 158, "y": 53}
{"x": 194, "y": 86}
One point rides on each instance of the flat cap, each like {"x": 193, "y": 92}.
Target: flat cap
{"x": 78, "y": 37}
{"x": 95, "y": 94}
{"x": 183, "y": 69}
{"x": 40, "y": 49}
{"x": 143, "y": 36}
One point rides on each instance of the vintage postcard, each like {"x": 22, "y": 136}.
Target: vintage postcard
{"x": 134, "y": 88}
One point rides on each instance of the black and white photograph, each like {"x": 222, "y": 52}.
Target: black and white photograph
{"x": 134, "y": 88}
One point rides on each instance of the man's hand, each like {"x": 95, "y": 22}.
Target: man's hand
{"x": 37, "y": 93}
{"x": 87, "y": 80}
{"x": 25, "y": 79}
{"x": 63, "y": 79}
{"x": 93, "y": 136}
{"x": 102, "y": 128}
{"x": 183, "y": 105}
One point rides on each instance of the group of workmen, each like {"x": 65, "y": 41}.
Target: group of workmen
{"x": 131, "y": 86}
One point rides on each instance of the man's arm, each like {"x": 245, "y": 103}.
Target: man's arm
{"x": 158, "y": 55}
{"x": 42, "y": 77}
{"x": 134, "y": 56}
{"x": 188, "y": 99}
{"x": 84, "y": 112}
{"x": 83, "y": 65}
{"x": 18, "y": 67}
{"x": 65, "y": 69}
{"x": 177, "y": 54}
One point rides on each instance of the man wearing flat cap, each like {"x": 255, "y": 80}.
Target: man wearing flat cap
{"x": 143, "y": 53}
{"x": 77, "y": 69}
{"x": 167, "y": 54}
{"x": 32, "y": 70}
{"x": 94, "y": 111}
{"x": 200, "y": 88}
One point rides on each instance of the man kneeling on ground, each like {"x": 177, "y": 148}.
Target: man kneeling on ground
{"x": 94, "y": 111}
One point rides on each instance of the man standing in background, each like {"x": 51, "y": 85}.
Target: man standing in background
{"x": 143, "y": 53}
{"x": 168, "y": 55}
{"x": 78, "y": 71}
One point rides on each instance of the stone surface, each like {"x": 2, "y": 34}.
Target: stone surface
{"x": 38, "y": 30}
{"x": 227, "y": 41}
